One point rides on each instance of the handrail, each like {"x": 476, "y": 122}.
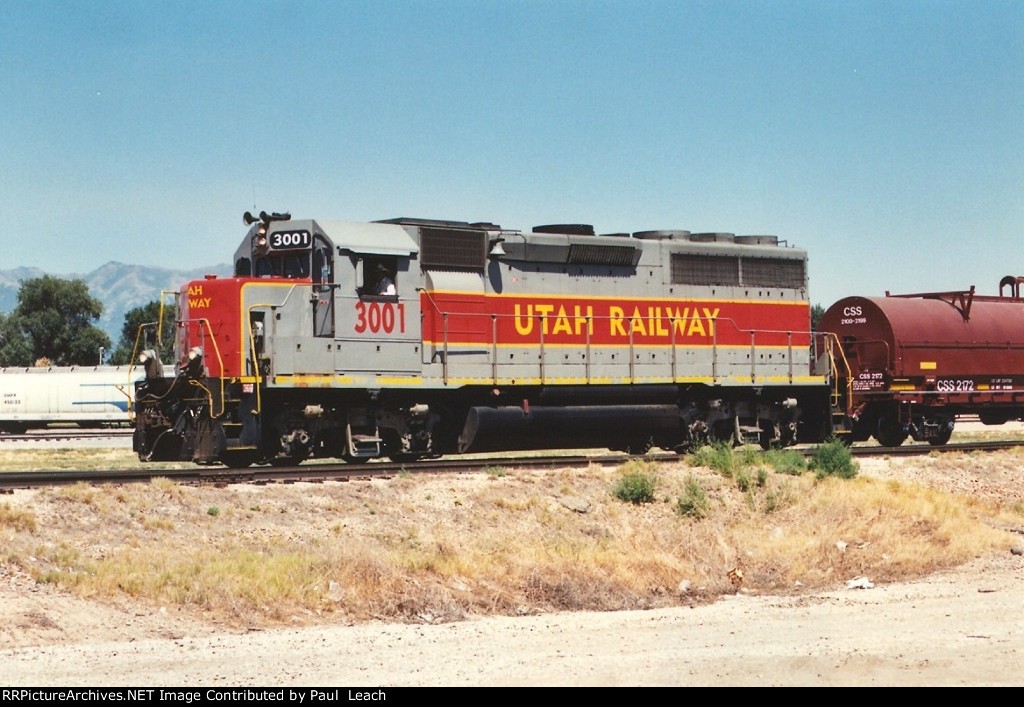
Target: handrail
{"x": 205, "y": 323}
{"x": 831, "y": 343}
{"x": 252, "y": 340}
{"x": 138, "y": 336}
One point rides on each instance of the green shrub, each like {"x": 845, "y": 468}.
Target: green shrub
{"x": 717, "y": 457}
{"x": 762, "y": 477}
{"x": 832, "y": 459}
{"x": 636, "y": 487}
{"x": 786, "y": 461}
{"x": 693, "y": 502}
{"x": 744, "y": 480}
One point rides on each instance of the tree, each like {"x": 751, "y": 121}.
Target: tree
{"x": 817, "y": 312}
{"x": 15, "y": 349}
{"x": 146, "y": 314}
{"x": 56, "y": 319}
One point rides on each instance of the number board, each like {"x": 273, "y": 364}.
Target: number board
{"x": 290, "y": 240}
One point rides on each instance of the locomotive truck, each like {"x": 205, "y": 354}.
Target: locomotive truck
{"x": 488, "y": 339}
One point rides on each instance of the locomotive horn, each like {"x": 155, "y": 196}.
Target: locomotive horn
{"x": 248, "y": 218}
{"x": 276, "y": 216}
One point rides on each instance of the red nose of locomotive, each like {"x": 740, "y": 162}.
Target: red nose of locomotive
{"x": 210, "y": 326}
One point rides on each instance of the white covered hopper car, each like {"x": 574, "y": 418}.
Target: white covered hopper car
{"x": 89, "y": 396}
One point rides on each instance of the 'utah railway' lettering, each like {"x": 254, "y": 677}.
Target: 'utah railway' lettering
{"x": 195, "y": 300}
{"x": 646, "y": 321}
{"x": 562, "y": 325}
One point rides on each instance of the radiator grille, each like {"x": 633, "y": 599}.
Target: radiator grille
{"x": 773, "y": 272}
{"x": 705, "y": 269}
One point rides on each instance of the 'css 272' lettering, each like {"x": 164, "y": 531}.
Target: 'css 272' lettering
{"x": 375, "y": 317}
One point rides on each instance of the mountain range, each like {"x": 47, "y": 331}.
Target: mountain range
{"x": 118, "y": 286}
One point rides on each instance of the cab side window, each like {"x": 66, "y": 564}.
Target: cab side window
{"x": 379, "y": 277}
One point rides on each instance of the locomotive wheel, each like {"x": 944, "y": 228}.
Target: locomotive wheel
{"x": 889, "y": 434}
{"x": 238, "y": 458}
{"x": 399, "y": 458}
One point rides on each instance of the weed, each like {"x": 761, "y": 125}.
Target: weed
{"x": 786, "y": 461}
{"x": 744, "y": 480}
{"x": 832, "y": 459}
{"x": 717, "y": 457}
{"x": 635, "y": 487}
{"x": 496, "y": 472}
{"x": 17, "y": 518}
{"x": 213, "y": 511}
{"x": 157, "y": 524}
{"x": 693, "y": 501}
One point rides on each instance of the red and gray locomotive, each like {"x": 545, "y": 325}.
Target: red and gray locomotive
{"x": 412, "y": 338}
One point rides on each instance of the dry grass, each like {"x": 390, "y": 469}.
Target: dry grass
{"x": 504, "y": 541}
{"x": 82, "y": 459}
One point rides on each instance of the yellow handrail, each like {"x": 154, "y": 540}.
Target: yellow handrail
{"x": 831, "y": 344}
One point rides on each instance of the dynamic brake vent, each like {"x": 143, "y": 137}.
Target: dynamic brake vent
{"x": 586, "y": 254}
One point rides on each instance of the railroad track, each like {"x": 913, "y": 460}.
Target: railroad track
{"x": 317, "y": 473}
{"x": 71, "y": 433}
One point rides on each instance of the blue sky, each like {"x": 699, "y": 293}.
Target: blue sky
{"x": 885, "y": 137}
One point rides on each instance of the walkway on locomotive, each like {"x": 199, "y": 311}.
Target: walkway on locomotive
{"x": 477, "y": 304}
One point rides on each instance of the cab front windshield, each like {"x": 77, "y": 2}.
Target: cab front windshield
{"x": 292, "y": 265}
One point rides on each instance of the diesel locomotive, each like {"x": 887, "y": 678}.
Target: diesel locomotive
{"x": 411, "y": 338}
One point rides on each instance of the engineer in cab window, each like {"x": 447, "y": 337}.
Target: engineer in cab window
{"x": 385, "y": 282}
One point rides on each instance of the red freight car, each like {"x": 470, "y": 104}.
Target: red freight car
{"x": 909, "y": 364}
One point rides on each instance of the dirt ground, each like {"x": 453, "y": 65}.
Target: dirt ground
{"x": 957, "y": 628}
{"x": 962, "y": 627}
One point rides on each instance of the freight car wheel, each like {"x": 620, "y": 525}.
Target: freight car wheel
{"x": 889, "y": 434}
{"x": 943, "y": 437}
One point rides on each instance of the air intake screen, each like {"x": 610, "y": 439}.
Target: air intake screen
{"x": 705, "y": 270}
{"x": 773, "y": 272}
{"x": 443, "y": 248}
{"x": 585, "y": 254}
